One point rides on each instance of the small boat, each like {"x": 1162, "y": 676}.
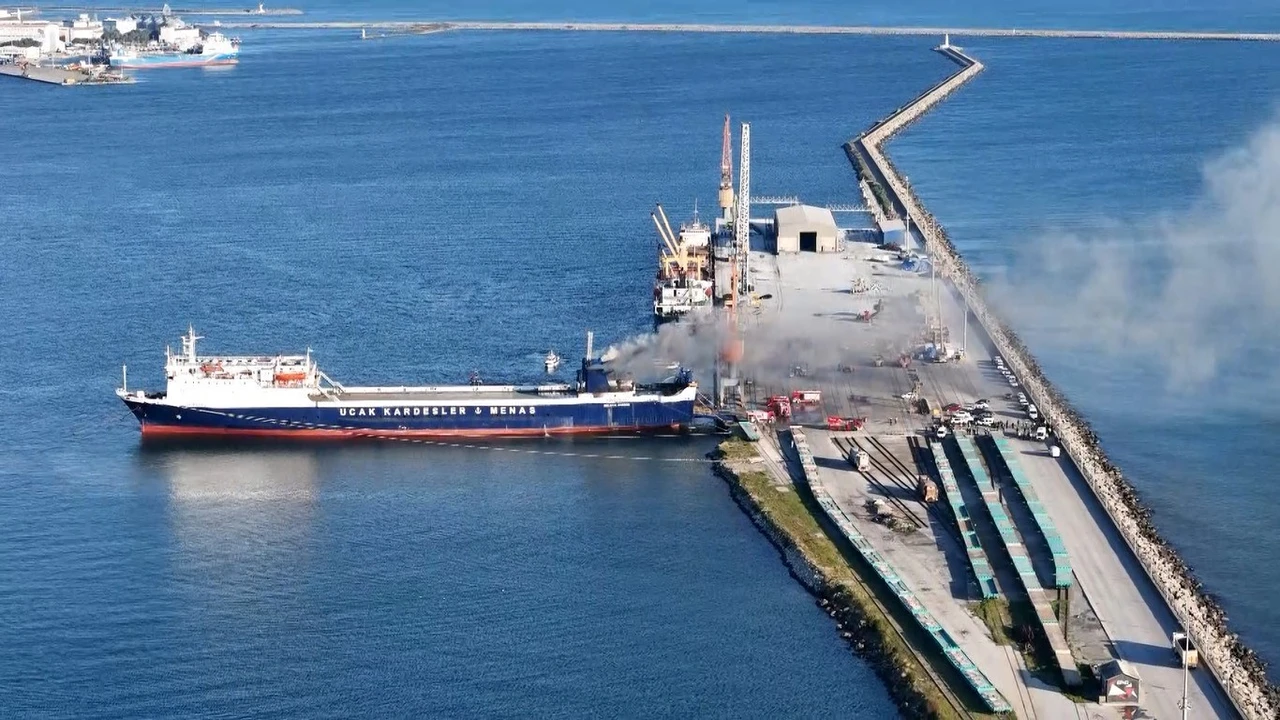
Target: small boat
{"x": 552, "y": 361}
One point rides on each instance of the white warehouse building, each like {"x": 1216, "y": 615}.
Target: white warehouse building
{"x": 805, "y": 228}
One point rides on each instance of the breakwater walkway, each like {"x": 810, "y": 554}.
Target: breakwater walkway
{"x": 1236, "y": 667}
{"x": 770, "y": 29}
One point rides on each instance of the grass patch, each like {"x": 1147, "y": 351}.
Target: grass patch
{"x": 994, "y": 613}
{"x": 736, "y": 450}
{"x": 1031, "y": 642}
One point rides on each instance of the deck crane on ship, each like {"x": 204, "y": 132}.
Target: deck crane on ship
{"x": 683, "y": 284}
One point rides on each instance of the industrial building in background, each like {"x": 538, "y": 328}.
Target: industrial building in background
{"x": 805, "y": 228}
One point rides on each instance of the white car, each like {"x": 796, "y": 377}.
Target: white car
{"x": 1033, "y": 415}
{"x": 982, "y": 405}
{"x": 1013, "y": 382}
{"x": 1031, "y": 407}
{"x": 961, "y": 416}
{"x": 986, "y": 420}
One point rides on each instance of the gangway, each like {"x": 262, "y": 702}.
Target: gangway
{"x": 775, "y": 200}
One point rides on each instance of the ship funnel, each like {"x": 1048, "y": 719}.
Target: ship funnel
{"x": 590, "y": 341}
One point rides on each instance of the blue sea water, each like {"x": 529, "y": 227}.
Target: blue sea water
{"x": 445, "y": 203}
{"x": 416, "y": 208}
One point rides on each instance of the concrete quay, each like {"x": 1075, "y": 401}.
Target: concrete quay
{"x": 779, "y": 29}
{"x": 807, "y": 314}
{"x": 1177, "y": 601}
{"x": 61, "y": 76}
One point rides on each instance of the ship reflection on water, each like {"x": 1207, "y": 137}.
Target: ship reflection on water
{"x": 237, "y": 514}
{"x": 234, "y": 472}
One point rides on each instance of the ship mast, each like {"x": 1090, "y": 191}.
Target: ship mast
{"x": 189, "y": 343}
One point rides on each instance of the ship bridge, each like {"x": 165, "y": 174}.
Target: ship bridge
{"x": 282, "y": 371}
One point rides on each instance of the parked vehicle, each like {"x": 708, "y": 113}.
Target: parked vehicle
{"x": 1042, "y": 432}
{"x": 982, "y": 405}
{"x": 1184, "y": 651}
{"x": 986, "y": 420}
{"x": 860, "y": 460}
{"x": 961, "y": 416}
{"x": 928, "y": 489}
{"x": 806, "y": 397}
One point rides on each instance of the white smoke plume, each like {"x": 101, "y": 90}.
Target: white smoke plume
{"x": 771, "y": 348}
{"x": 1193, "y": 294}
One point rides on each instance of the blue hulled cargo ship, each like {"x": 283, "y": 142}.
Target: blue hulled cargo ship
{"x": 288, "y": 396}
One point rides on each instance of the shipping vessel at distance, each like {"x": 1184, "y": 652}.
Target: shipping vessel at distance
{"x": 288, "y": 396}
{"x": 213, "y": 49}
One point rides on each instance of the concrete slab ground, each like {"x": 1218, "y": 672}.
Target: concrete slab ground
{"x": 809, "y": 333}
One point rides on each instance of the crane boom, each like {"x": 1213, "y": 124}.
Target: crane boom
{"x": 678, "y": 245}
{"x": 726, "y": 172}
{"x": 671, "y": 248}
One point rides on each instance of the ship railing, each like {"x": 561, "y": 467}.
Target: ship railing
{"x": 334, "y": 387}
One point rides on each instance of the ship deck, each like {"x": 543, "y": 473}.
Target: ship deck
{"x": 450, "y": 394}
{"x": 481, "y": 394}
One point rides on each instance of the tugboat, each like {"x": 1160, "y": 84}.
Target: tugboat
{"x": 552, "y": 362}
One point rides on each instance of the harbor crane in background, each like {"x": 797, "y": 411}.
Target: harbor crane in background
{"x": 726, "y": 172}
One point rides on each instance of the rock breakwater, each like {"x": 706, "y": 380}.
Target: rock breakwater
{"x": 1238, "y": 668}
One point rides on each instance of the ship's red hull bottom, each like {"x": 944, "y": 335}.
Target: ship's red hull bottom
{"x": 152, "y": 430}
